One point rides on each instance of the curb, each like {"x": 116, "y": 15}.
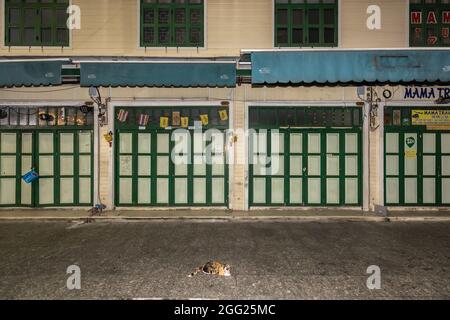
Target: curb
{"x": 234, "y": 218}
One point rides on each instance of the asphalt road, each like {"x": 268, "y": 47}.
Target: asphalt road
{"x": 270, "y": 260}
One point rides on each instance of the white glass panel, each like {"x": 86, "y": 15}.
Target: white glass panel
{"x": 278, "y": 190}
{"x": 314, "y": 143}
{"x": 46, "y": 191}
{"x": 410, "y": 166}
{"x": 259, "y": 166}
{"x": 126, "y": 165}
{"x": 296, "y": 165}
{"x": 66, "y": 190}
{"x": 259, "y": 190}
{"x": 446, "y": 190}
{"x": 45, "y": 142}
{"x": 27, "y": 142}
{"x": 351, "y": 143}
{"x": 84, "y": 140}
{"x": 199, "y": 166}
{"x": 125, "y": 190}
{"x": 429, "y": 190}
{"x": 181, "y": 190}
{"x": 25, "y": 193}
{"x": 144, "y": 143}
{"x": 314, "y": 191}
{"x": 262, "y": 142}
{"x": 218, "y": 190}
{"x": 429, "y": 143}
{"x": 296, "y": 143}
{"x": 162, "y": 190}
{"x": 85, "y": 165}
{"x": 199, "y": 190}
{"x": 217, "y": 142}
{"x": 392, "y": 190}
{"x": 277, "y": 165}
{"x": 163, "y": 143}
{"x": 8, "y": 142}
{"x": 7, "y": 165}
{"x": 445, "y": 142}
{"x": 314, "y": 165}
{"x": 332, "y": 191}
{"x": 333, "y": 143}
{"x": 218, "y": 167}
{"x": 144, "y": 191}
{"x": 392, "y": 142}
{"x": 66, "y": 165}
{"x": 295, "y": 190}
{"x": 199, "y": 143}
{"x": 277, "y": 143}
{"x": 126, "y": 143}
{"x": 45, "y": 165}
{"x": 332, "y": 165}
{"x": 66, "y": 142}
{"x": 84, "y": 196}
{"x": 446, "y": 165}
{"x": 351, "y": 190}
{"x": 7, "y": 191}
{"x": 162, "y": 165}
{"x": 429, "y": 165}
{"x": 181, "y": 141}
{"x": 392, "y": 165}
{"x": 351, "y": 165}
{"x": 26, "y": 164}
{"x": 144, "y": 165}
{"x": 410, "y": 190}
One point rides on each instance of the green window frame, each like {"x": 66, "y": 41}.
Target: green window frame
{"x": 36, "y": 23}
{"x": 306, "y": 23}
{"x": 424, "y": 34}
{"x": 172, "y": 23}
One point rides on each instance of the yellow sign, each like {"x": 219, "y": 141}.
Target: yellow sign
{"x": 223, "y": 114}
{"x": 164, "y": 122}
{"x": 440, "y": 128}
{"x": 204, "y": 118}
{"x": 411, "y": 153}
{"x": 185, "y": 122}
{"x": 430, "y": 117}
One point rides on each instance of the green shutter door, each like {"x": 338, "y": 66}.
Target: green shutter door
{"x": 311, "y": 167}
{"x": 63, "y": 159}
{"x": 151, "y": 172}
{"x": 417, "y": 167}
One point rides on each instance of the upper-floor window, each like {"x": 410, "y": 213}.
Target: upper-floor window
{"x": 306, "y": 23}
{"x": 429, "y": 23}
{"x": 36, "y": 23}
{"x": 172, "y": 23}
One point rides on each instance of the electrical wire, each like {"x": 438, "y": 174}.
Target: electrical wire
{"x": 45, "y": 91}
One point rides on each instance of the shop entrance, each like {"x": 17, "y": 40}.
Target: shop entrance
{"x": 62, "y": 157}
{"x": 171, "y": 157}
{"x": 305, "y": 166}
{"x": 417, "y": 157}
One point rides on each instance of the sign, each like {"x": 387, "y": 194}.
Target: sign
{"x": 419, "y": 93}
{"x": 410, "y": 147}
{"x": 184, "y": 122}
{"x": 430, "y": 117}
{"x": 164, "y": 122}
{"x": 204, "y": 118}
{"x": 223, "y": 114}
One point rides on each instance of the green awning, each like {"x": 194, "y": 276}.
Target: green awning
{"x": 158, "y": 74}
{"x": 333, "y": 67}
{"x": 14, "y": 73}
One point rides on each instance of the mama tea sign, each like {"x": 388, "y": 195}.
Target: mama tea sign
{"x": 427, "y": 93}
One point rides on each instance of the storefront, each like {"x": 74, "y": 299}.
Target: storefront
{"x": 55, "y": 142}
{"x": 417, "y": 156}
{"x": 305, "y": 156}
{"x": 171, "y": 156}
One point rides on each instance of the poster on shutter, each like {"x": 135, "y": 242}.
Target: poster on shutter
{"x": 176, "y": 121}
{"x": 410, "y": 147}
{"x": 164, "y": 122}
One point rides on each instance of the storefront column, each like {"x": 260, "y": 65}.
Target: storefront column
{"x": 238, "y": 197}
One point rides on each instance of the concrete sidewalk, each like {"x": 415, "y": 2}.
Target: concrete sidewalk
{"x": 217, "y": 214}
